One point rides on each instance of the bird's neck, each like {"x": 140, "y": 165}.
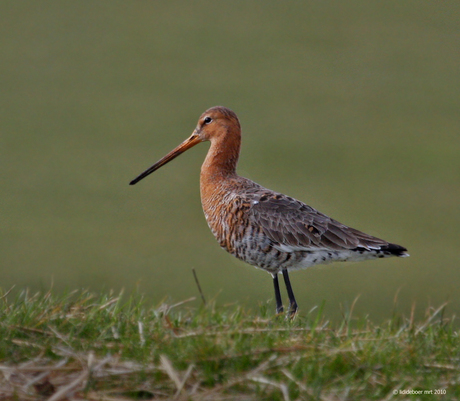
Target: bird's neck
{"x": 218, "y": 172}
{"x": 221, "y": 160}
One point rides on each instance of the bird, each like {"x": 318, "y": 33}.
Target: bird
{"x": 264, "y": 228}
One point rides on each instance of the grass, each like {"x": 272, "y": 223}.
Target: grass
{"x": 107, "y": 347}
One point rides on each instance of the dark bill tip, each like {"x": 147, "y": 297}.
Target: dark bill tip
{"x": 143, "y": 175}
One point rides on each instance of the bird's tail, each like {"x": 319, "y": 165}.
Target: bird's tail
{"x": 396, "y": 250}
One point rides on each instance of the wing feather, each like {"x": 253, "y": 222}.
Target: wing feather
{"x": 291, "y": 224}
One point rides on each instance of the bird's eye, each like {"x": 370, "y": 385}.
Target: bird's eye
{"x": 207, "y": 120}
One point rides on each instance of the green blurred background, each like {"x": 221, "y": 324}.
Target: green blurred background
{"x": 352, "y": 107}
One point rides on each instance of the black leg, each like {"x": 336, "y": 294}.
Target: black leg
{"x": 279, "y": 303}
{"x": 292, "y": 301}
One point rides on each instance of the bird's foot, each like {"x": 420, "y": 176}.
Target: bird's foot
{"x": 293, "y": 308}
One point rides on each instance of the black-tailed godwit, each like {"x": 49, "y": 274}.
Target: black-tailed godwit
{"x": 264, "y": 228}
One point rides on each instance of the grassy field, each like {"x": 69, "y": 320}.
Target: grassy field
{"x": 108, "y": 347}
{"x": 351, "y": 107}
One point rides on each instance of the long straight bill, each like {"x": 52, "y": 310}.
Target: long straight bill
{"x": 187, "y": 144}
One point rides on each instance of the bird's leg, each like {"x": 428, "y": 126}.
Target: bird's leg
{"x": 292, "y": 301}
{"x": 279, "y": 303}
